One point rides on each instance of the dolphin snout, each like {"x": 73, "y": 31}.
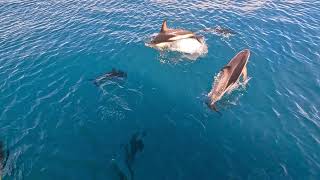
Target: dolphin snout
{"x": 246, "y": 51}
{"x": 149, "y": 44}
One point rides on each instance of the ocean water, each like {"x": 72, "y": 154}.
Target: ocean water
{"x": 58, "y": 125}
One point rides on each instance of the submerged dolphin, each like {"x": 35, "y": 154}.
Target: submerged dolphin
{"x": 178, "y": 40}
{"x": 229, "y": 76}
{"x": 121, "y": 175}
{"x": 135, "y": 145}
{"x": 109, "y": 75}
{"x": 225, "y": 32}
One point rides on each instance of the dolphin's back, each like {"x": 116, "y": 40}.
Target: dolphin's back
{"x": 220, "y": 84}
{"x": 169, "y": 34}
{"x": 237, "y": 64}
{"x": 178, "y": 32}
{"x": 162, "y": 37}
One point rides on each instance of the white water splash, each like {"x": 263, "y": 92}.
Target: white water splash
{"x": 191, "y": 48}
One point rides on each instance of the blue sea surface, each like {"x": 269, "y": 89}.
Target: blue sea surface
{"x": 58, "y": 125}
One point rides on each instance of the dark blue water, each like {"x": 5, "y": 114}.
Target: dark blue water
{"x": 58, "y": 125}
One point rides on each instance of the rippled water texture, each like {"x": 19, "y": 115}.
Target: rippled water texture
{"x": 58, "y": 125}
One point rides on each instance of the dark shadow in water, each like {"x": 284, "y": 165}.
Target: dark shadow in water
{"x": 135, "y": 145}
{"x": 131, "y": 149}
{"x": 4, "y": 154}
{"x": 111, "y": 75}
{"x": 221, "y": 31}
{"x": 120, "y": 174}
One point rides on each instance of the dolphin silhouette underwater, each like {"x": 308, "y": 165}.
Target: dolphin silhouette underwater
{"x": 135, "y": 145}
{"x": 229, "y": 76}
{"x": 131, "y": 150}
{"x": 225, "y": 32}
{"x": 108, "y": 76}
{"x": 180, "y": 40}
{"x": 120, "y": 174}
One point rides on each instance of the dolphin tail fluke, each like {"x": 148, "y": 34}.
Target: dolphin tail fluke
{"x": 164, "y": 26}
{"x": 118, "y": 171}
{"x": 214, "y": 107}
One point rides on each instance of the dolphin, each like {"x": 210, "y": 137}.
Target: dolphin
{"x": 121, "y": 175}
{"x": 225, "y": 32}
{"x": 135, "y": 145}
{"x": 109, "y": 75}
{"x": 228, "y": 76}
{"x": 178, "y": 40}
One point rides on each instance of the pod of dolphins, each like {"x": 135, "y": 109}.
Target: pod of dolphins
{"x": 183, "y": 41}
{"x": 188, "y": 42}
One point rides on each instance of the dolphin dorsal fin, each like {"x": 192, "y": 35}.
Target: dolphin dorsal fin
{"x": 164, "y": 26}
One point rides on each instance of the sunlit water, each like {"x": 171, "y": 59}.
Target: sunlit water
{"x": 58, "y": 125}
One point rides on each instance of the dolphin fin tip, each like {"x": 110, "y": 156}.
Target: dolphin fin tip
{"x": 164, "y": 26}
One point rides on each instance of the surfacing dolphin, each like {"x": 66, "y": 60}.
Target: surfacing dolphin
{"x": 178, "y": 40}
{"x": 109, "y": 75}
{"x": 229, "y": 76}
